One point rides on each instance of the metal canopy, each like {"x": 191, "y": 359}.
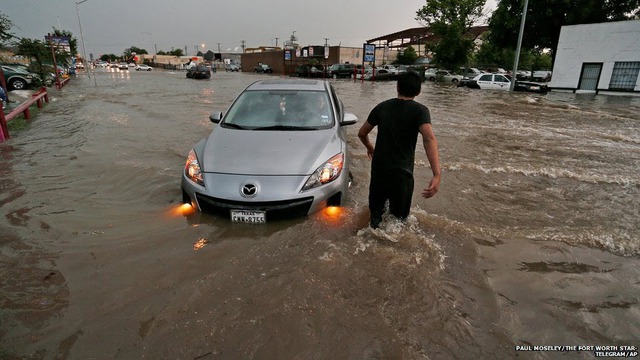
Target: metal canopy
{"x": 418, "y": 35}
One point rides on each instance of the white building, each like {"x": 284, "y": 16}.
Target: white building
{"x": 598, "y": 58}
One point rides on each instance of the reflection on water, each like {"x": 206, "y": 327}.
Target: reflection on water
{"x": 533, "y": 238}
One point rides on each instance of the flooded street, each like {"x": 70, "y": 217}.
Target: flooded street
{"x": 533, "y": 239}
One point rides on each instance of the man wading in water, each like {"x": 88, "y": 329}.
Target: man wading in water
{"x": 399, "y": 121}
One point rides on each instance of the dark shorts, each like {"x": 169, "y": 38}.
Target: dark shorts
{"x": 395, "y": 186}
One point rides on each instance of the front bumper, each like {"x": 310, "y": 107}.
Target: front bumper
{"x": 278, "y": 196}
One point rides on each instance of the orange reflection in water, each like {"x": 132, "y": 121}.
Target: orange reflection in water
{"x": 333, "y": 215}
{"x": 181, "y": 210}
{"x": 198, "y": 245}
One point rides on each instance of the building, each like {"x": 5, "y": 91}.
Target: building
{"x": 598, "y": 58}
{"x": 281, "y": 64}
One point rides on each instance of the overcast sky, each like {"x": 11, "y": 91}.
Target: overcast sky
{"x": 110, "y": 26}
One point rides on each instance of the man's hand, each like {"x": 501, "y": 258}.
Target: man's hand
{"x": 432, "y": 189}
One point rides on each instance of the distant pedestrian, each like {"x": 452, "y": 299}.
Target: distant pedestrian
{"x": 399, "y": 121}
{"x": 3, "y": 97}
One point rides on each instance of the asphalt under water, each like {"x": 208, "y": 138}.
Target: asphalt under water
{"x": 533, "y": 239}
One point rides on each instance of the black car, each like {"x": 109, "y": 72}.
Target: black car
{"x": 199, "y": 72}
{"x": 263, "y": 68}
{"x": 310, "y": 71}
{"x": 341, "y": 70}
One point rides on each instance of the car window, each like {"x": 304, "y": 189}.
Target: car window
{"x": 487, "y": 77}
{"x": 280, "y": 110}
{"x": 501, "y": 78}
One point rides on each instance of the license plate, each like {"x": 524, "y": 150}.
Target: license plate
{"x": 249, "y": 216}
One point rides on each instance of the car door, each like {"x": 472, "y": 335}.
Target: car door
{"x": 501, "y": 82}
{"x": 485, "y": 81}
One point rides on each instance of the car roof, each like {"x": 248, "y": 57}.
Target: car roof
{"x": 289, "y": 84}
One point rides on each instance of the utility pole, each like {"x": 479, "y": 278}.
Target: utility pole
{"x": 243, "y": 45}
{"x": 517, "y": 57}
{"x": 276, "y": 43}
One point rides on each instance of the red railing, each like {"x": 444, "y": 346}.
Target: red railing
{"x": 37, "y": 98}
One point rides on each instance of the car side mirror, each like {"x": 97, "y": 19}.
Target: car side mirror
{"x": 349, "y": 119}
{"x": 215, "y": 116}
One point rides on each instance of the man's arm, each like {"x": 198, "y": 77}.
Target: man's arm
{"x": 430, "y": 144}
{"x": 363, "y": 135}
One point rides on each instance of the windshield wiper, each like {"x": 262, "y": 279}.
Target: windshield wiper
{"x": 235, "y": 126}
{"x": 284, "y": 127}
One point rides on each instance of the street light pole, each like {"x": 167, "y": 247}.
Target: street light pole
{"x": 84, "y": 50}
{"x": 517, "y": 57}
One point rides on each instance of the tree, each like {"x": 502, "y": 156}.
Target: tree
{"x": 449, "y": 21}
{"x": 5, "y": 30}
{"x": 39, "y": 52}
{"x": 130, "y": 51}
{"x": 545, "y": 18}
{"x": 408, "y": 56}
{"x": 209, "y": 55}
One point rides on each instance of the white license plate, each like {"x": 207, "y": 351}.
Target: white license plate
{"x": 248, "y": 216}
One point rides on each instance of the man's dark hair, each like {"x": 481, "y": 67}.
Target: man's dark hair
{"x": 409, "y": 84}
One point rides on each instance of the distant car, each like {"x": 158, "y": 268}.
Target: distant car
{"x": 444, "y": 75}
{"x": 470, "y": 73}
{"x": 263, "y": 68}
{"x": 143, "y": 67}
{"x": 232, "y": 68}
{"x": 308, "y": 70}
{"x": 503, "y": 82}
{"x": 341, "y": 71}
{"x": 390, "y": 68}
{"x": 123, "y": 66}
{"x": 199, "y": 72}
{"x": 279, "y": 151}
{"x": 17, "y": 79}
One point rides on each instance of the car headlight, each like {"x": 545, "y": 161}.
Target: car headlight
{"x": 192, "y": 169}
{"x": 326, "y": 173}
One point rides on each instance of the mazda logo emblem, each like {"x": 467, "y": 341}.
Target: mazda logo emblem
{"x": 249, "y": 190}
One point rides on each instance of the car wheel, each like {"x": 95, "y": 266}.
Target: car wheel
{"x": 335, "y": 76}
{"x": 18, "y": 84}
{"x": 432, "y": 79}
{"x": 454, "y": 81}
{"x": 148, "y": 69}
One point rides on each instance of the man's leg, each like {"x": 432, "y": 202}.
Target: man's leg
{"x": 400, "y": 194}
{"x": 377, "y": 198}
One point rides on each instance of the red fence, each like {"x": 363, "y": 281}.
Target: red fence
{"x": 37, "y": 98}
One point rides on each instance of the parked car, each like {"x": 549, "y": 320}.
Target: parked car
{"x": 444, "y": 75}
{"x": 341, "y": 70}
{"x": 123, "y": 66}
{"x": 280, "y": 150}
{"x": 199, "y": 72}
{"x": 143, "y": 67}
{"x": 503, "y": 82}
{"x": 390, "y": 68}
{"x": 470, "y": 73}
{"x": 308, "y": 70}
{"x": 17, "y": 79}
{"x": 263, "y": 68}
{"x": 232, "y": 67}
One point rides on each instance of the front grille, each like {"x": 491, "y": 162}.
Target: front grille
{"x": 274, "y": 209}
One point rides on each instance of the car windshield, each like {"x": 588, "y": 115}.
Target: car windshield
{"x": 280, "y": 110}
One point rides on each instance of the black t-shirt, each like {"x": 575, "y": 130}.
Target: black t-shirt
{"x": 398, "y": 123}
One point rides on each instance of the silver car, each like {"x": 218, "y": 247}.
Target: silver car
{"x": 279, "y": 151}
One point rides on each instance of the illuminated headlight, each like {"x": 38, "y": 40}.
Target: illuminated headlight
{"x": 192, "y": 169}
{"x": 326, "y": 173}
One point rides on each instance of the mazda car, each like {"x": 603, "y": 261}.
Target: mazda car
{"x": 279, "y": 151}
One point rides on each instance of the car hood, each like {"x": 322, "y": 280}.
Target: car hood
{"x": 254, "y": 152}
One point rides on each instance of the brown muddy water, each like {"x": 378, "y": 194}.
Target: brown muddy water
{"x": 533, "y": 239}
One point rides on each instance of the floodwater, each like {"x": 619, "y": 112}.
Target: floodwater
{"x": 533, "y": 239}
